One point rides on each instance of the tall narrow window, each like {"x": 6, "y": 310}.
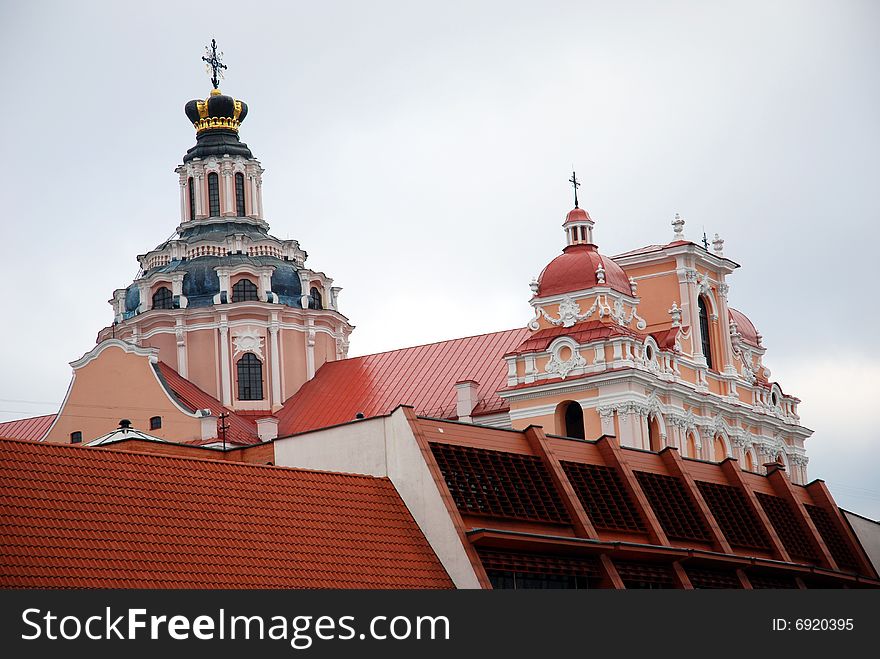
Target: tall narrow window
{"x": 315, "y": 301}
{"x": 192, "y": 198}
{"x": 214, "y": 194}
{"x": 574, "y": 421}
{"x": 162, "y": 299}
{"x": 250, "y": 377}
{"x": 704, "y": 331}
{"x": 244, "y": 290}
{"x": 654, "y": 433}
{"x": 239, "y": 194}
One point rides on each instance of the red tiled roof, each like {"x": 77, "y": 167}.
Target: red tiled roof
{"x": 575, "y": 270}
{"x": 583, "y": 333}
{"x": 422, "y": 376}
{"x": 242, "y": 430}
{"x": 31, "y": 429}
{"x": 76, "y": 517}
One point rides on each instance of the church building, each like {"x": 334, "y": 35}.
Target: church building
{"x": 628, "y": 435}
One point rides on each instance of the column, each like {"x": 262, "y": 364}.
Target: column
{"x": 310, "y": 349}
{"x": 276, "y": 362}
{"x": 225, "y": 374}
{"x": 180, "y": 335}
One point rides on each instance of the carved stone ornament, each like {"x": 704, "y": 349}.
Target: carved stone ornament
{"x": 675, "y": 313}
{"x": 248, "y": 340}
{"x": 569, "y": 314}
{"x": 563, "y": 368}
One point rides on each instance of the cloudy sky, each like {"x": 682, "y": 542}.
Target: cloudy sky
{"x": 420, "y": 153}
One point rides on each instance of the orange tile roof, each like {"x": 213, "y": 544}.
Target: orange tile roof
{"x": 32, "y": 428}
{"x": 242, "y": 430}
{"x": 79, "y": 517}
{"x": 422, "y": 376}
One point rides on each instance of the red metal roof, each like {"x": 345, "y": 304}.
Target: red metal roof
{"x": 422, "y": 376}
{"x": 575, "y": 270}
{"x": 577, "y": 215}
{"x": 31, "y": 429}
{"x": 583, "y": 333}
{"x": 666, "y": 338}
{"x": 77, "y": 517}
{"x": 744, "y": 325}
{"x": 242, "y": 430}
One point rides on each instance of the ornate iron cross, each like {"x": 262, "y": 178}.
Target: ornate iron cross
{"x": 574, "y": 183}
{"x": 213, "y": 64}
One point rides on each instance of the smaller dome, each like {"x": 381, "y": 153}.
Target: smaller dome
{"x": 744, "y": 326}
{"x": 575, "y": 270}
{"x": 577, "y": 215}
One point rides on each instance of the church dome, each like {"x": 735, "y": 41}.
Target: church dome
{"x": 577, "y": 215}
{"x": 575, "y": 270}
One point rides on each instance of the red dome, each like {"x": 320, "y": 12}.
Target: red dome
{"x": 744, "y": 326}
{"x": 577, "y": 215}
{"x": 575, "y": 270}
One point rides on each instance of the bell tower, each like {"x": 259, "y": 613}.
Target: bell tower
{"x": 229, "y": 306}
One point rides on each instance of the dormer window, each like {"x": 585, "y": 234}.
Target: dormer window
{"x": 244, "y": 290}
{"x": 315, "y": 301}
{"x": 705, "y": 341}
{"x": 214, "y": 194}
{"x": 572, "y": 420}
{"x": 239, "y": 194}
{"x": 163, "y": 299}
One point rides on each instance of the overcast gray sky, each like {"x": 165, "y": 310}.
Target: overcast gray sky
{"x": 420, "y": 151}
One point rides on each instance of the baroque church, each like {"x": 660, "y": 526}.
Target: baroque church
{"x": 627, "y": 436}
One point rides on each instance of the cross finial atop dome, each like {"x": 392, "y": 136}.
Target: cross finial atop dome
{"x": 574, "y": 183}
{"x": 213, "y": 65}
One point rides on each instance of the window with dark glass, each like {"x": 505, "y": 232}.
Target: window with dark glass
{"x": 214, "y": 194}
{"x": 315, "y": 301}
{"x": 704, "y": 331}
{"x": 244, "y": 290}
{"x": 239, "y": 194}
{"x": 162, "y": 299}
{"x": 76, "y": 437}
{"x": 250, "y": 377}
{"x": 192, "y": 198}
{"x": 574, "y": 421}
{"x": 155, "y": 422}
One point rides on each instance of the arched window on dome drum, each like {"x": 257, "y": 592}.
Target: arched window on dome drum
{"x": 705, "y": 341}
{"x": 163, "y": 299}
{"x": 654, "y": 433}
{"x": 250, "y": 377}
{"x": 244, "y": 290}
{"x": 239, "y": 194}
{"x": 315, "y": 301}
{"x": 574, "y": 421}
{"x": 192, "y": 198}
{"x": 214, "y": 194}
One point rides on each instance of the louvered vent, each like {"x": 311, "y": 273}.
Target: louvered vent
{"x": 789, "y": 529}
{"x": 645, "y": 575}
{"x": 604, "y": 497}
{"x": 676, "y": 510}
{"x": 707, "y": 578}
{"x": 738, "y": 522}
{"x": 499, "y": 484}
{"x": 832, "y": 537}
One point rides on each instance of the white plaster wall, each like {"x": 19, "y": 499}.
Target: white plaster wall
{"x": 386, "y": 446}
{"x": 868, "y": 533}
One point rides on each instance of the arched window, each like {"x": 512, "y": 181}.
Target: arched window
{"x": 192, "y": 198}
{"x": 574, "y": 421}
{"x": 704, "y": 331}
{"x": 239, "y": 194}
{"x": 244, "y": 290}
{"x": 214, "y": 194}
{"x": 692, "y": 451}
{"x": 250, "y": 377}
{"x": 654, "y": 433}
{"x": 162, "y": 299}
{"x": 315, "y": 301}
{"x": 750, "y": 461}
{"x": 719, "y": 448}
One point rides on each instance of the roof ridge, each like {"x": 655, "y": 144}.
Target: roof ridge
{"x": 166, "y": 456}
